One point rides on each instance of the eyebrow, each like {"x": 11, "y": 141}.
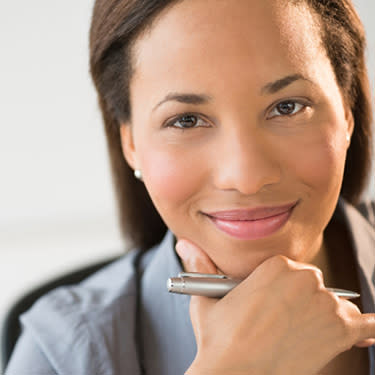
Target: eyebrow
{"x": 185, "y": 98}
{"x": 199, "y": 99}
{"x": 273, "y": 87}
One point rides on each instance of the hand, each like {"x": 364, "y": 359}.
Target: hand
{"x": 279, "y": 320}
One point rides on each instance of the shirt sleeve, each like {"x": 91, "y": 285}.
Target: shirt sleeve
{"x": 28, "y": 359}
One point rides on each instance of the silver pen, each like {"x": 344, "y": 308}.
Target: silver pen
{"x": 217, "y": 286}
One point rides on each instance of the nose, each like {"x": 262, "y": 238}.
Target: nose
{"x": 247, "y": 162}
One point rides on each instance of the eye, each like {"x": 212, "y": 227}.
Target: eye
{"x": 186, "y": 121}
{"x": 287, "y": 108}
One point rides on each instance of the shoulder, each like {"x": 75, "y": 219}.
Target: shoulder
{"x": 88, "y": 322}
{"x": 356, "y": 216}
{"x": 367, "y": 209}
{"x": 92, "y": 295}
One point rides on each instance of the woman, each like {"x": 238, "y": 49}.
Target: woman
{"x": 248, "y": 127}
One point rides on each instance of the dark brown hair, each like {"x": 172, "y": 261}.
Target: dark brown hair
{"x": 115, "y": 26}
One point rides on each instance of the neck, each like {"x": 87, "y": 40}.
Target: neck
{"x": 321, "y": 260}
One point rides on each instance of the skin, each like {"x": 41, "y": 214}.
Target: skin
{"x": 244, "y": 153}
{"x": 263, "y": 160}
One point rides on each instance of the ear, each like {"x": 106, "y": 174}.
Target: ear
{"x": 127, "y": 144}
{"x": 349, "y": 121}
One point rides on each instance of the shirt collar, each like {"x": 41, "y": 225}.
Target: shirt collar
{"x": 163, "y": 312}
{"x": 362, "y": 236}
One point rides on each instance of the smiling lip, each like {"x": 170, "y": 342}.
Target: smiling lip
{"x": 253, "y": 223}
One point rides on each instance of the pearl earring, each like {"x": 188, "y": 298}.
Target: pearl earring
{"x": 348, "y": 138}
{"x": 138, "y": 174}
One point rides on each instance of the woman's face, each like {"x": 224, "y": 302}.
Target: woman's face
{"x": 235, "y": 106}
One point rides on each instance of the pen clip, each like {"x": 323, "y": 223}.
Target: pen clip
{"x": 205, "y": 275}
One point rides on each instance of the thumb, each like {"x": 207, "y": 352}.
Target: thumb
{"x": 194, "y": 258}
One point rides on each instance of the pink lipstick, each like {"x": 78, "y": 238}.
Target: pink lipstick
{"x": 251, "y": 224}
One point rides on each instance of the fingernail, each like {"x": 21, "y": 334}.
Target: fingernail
{"x": 182, "y": 250}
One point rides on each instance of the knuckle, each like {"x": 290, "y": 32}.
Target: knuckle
{"x": 340, "y": 320}
{"x": 279, "y": 262}
{"x": 328, "y": 302}
{"x": 304, "y": 281}
{"x": 318, "y": 272}
{"x": 311, "y": 278}
{"x": 342, "y": 324}
{"x": 346, "y": 332}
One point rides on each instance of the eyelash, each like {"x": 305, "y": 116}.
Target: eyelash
{"x": 189, "y": 114}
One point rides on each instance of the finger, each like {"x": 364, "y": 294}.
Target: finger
{"x": 365, "y": 343}
{"x": 200, "y": 308}
{"x": 307, "y": 266}
{"x": 280, "y": 263}
{"x": 362, "y": 324}
{"x": 194, "y": 258}
{"x": 278, "y": 267}
{"x": 366, "y": 324}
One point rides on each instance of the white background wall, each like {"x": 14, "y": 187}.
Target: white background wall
{"x": 57, "y": 207}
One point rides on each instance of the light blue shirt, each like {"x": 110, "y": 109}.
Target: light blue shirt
{"x": 89, "y": 328}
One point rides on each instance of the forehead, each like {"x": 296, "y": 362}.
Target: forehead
{"x": 203, "y": 40}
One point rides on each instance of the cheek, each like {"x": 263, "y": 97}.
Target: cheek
{"x": 319, "y": 161}
{"x": 170, "y": 178}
